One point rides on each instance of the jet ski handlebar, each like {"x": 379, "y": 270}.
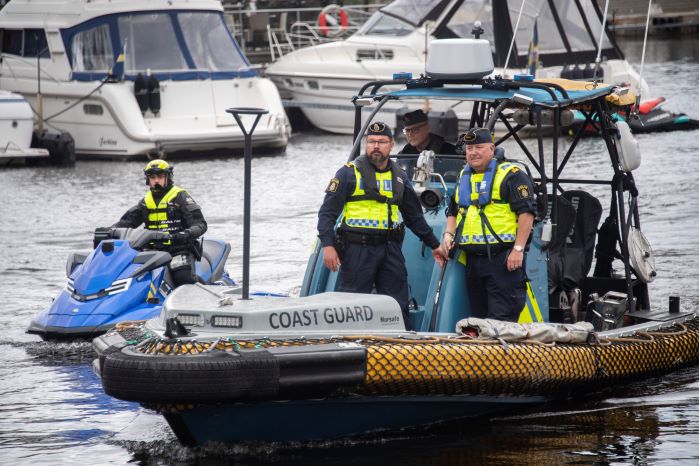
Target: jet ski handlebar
{"x": 137, "y": 238}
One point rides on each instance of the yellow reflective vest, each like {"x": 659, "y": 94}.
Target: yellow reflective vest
{"x": 503, "y": 221}
{"x": 158, "y": 218}
{"x": 362, "y": 212}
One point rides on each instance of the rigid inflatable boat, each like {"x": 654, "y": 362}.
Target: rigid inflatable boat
{"x": 328, "y": 364}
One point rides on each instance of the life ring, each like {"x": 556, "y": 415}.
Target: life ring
{"x": 329, "y": 25}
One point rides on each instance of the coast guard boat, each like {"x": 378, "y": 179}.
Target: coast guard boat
{"x": 134, "y": 78}
{"x": 329, "y": 364}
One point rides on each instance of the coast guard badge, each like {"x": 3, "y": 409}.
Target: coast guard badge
{"x": 523, "y": 191}
{"x": 333, "y": 185}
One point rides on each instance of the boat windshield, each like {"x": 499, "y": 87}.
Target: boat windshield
{"x": 160, "y": 41}
{"x": 380, "y": 24}
{"x": 579, "y": 25}
{"x": 415, "y": 11}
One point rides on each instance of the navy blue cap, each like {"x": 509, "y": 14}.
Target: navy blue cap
{"x": 379, "y": 128}
{"x": 476, "y": 136}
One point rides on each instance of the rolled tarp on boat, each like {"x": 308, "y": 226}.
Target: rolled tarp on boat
{"x": 229, "y": 370}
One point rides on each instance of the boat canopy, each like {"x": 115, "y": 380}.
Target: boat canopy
{"x": 478, "y": 93}
{"x": 172, "y": 44}
{"x": 568, "y": 30}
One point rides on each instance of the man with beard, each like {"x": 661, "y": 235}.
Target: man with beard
{"x": 374, "y": 195}
{"x": 169, "y": 209}
{"x": 417, "y": 131}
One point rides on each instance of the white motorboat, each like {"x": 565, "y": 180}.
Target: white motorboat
{"x": 181, "y": 70}
{"x": 16, "y": 127}
{"x": 321, "y": 79}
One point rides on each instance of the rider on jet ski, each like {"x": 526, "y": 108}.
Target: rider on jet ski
{"x": 170, "y": 209}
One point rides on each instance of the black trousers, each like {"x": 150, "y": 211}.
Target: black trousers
{"x": 382, "y": 266}
{"x": 182, "y": 269}
{"x": 494, "y": 292}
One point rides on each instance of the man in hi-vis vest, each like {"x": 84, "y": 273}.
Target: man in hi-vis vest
{"x": 169, "y": 209}
{"x": 490, "y": 218}
{"x": 376, "y": 199}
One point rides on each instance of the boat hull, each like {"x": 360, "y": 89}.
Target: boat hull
{"x": 308, "y": 420}
{"x": 231, "y": 389}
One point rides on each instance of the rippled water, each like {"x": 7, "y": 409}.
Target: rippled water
{"x": 52, "y": 408}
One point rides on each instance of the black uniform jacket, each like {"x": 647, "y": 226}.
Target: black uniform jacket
{"x": 437, "y": 144}
{"x": 341, "y": 188}
{"x": 181, "y": 207}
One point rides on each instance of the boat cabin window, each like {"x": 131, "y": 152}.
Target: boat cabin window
{"x": 25, "y": 42}
{"x": 151, "y": 42}
{"x": 161, "y": 41}
{"x": 449, "y": 166}
{"x": 91, "y": 49}
{"x": 380, "y": 24}
{"x": 210, "y": 42}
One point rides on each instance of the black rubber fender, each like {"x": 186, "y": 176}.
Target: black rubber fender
{"x": 208, "y": 377}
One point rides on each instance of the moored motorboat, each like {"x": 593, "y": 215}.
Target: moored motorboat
{"x": 322, "y": 78}
{"x": 329, "y": 364}
{"x": 136, "y": 78}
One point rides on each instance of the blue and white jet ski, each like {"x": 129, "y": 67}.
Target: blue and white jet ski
{"x": 121, "y": 279}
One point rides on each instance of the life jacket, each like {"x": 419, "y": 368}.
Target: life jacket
{"x": 375, "y": 202}
{"x": 160, "y": 217}
{"x": 483, "y": 217}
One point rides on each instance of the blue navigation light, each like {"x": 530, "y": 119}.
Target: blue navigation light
{"x": 402, "y": 75}
{"x": 523, "y": 77}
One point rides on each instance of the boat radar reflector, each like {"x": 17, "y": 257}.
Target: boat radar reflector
{"x": 459, "y": 59}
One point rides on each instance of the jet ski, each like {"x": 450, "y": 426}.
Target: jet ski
{"x": 123, "y": 278}
{"x": 651, "y": 118}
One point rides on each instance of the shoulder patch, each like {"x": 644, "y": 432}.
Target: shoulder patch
{"x": 333, "y": 185}
{"x": 523, "y": 191}
{"x": 514, "y": 170}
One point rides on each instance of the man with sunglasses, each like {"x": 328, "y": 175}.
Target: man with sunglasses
{"x": 490, "y": 218}
{"x": 374, "y": 195}
{"x": 419, "y": 137}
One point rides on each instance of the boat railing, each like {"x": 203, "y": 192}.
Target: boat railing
{"x": 30, "y": 62}
{"x": 295, "y": 27}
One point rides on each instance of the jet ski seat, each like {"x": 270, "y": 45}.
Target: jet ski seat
{"x": 211, "y": 266}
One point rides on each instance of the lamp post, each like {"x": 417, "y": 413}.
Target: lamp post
{"x": 247, "y": 153}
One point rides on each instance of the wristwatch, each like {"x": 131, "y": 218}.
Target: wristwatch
{"x": 518, "y": 248}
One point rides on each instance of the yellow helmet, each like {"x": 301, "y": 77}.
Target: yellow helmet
{"x": 158, "y": 167}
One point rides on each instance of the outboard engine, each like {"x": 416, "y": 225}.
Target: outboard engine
{"x": 141, "y": 93}
{"x": 154, "y": 95}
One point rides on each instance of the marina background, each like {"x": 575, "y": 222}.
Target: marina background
{"x": 53, "y": 408}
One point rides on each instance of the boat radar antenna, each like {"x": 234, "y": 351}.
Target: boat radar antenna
{"x": 635, "y": 112}
{"x": 477, "y": 30}
{"x": 512, "y": 39}
{"x": 600, "y": 43}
